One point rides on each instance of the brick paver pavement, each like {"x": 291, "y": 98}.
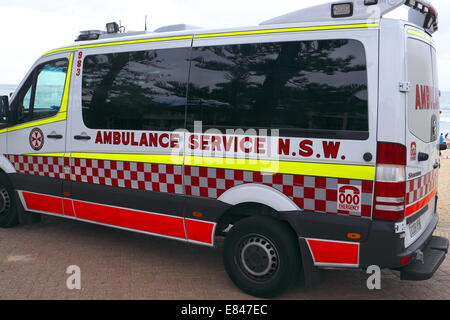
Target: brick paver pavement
{"x": 116, "y": 264}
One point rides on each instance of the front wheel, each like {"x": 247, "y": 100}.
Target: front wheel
{"x": 262, "y": 256}
{"x": 8, "y": 210}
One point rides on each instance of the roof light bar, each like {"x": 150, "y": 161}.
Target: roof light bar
{"x": 342, "y": 10}
{"x": 89, "y": 35}
{"x": 112, "y": 27}
{"x": 431, "y": 15}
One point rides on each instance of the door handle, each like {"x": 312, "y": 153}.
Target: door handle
{"x": 423, "y": 157}
{"x": 55, "y": 136}
{"x": 86, "y": 138}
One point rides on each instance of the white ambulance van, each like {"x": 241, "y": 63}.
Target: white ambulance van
{"x": 307, "y": 142}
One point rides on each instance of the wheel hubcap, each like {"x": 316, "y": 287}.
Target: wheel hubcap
{"x": 5, "y": 201}
{"x": 258, "y": 257}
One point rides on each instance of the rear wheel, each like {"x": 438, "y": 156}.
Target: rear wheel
{"x": 262, "y": 257}
{"x": 8, "y": 211}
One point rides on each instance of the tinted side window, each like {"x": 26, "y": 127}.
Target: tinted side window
{"x": 143, "y": 90}
{"x": 306, "y": 89}
{"x": 42, "y": 94}
{"x": 49, "y": 89}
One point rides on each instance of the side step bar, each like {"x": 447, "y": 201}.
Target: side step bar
{"x": 433, "y": 256}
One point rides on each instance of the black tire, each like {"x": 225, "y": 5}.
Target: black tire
{"x": 248, "y": 248}
{"x": 8, "y": 210}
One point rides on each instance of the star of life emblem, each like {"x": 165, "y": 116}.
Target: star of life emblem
{"x": 36, "y": 139}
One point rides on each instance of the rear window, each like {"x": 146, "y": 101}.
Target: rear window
{"x": 423, "y": 102}
{"x": 314, "y": 89}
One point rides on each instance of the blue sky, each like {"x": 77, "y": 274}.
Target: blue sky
{"x": 30, "y": 28}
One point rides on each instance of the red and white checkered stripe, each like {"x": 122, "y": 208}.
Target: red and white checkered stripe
{"x": 52, "y": 167}
{"x": 316, "y": 194}
{"x": 421, "y": 187}
{"x": 132, "y": 175}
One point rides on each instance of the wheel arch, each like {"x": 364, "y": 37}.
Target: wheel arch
{"x": 6, "y": 166}
{"x": 258, "y": 193}
{"x": 251, "y": 200}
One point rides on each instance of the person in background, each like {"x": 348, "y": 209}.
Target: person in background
{"x": 443, "y": 141}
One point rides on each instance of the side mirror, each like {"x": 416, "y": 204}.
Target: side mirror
{"x": 4, "y": 109}
{"x": 443, "y": 147}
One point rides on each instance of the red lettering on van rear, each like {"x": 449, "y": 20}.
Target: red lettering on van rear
{"x": 426, "y": 98}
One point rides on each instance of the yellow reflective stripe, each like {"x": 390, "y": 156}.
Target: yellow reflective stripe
{"x": 118, "y": 43}
{"x": 286, "y": 167}
{"x": 60, "y": 50}
{"x": 265, "y": 31}
{"x": 59, "y": 117}
{"x": 421, "y": 35}
{"x": 282, "y": 30}
{"x": 295, "y": 168}
{"x": 145, "y": 158}
{"x": 65, "y": 100}
{"x": 62, "y": 113}
{"x": 53, "y": 155}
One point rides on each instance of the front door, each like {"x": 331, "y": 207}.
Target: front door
{"x": 36, "y": 141}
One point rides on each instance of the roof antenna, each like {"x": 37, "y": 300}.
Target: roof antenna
{"x": 145, "y": 22}
{"x": 121, "y": 27}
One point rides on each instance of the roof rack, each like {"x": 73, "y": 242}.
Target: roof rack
{"x": 176, "y": 27}
{"x": 422, "y": 13}
{"x": 115, "y": 31}
{"x": 122, "y": 34}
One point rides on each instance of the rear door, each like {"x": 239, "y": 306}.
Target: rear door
{"x": 422, "y": 133}
{"x": 125, "y": 154}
